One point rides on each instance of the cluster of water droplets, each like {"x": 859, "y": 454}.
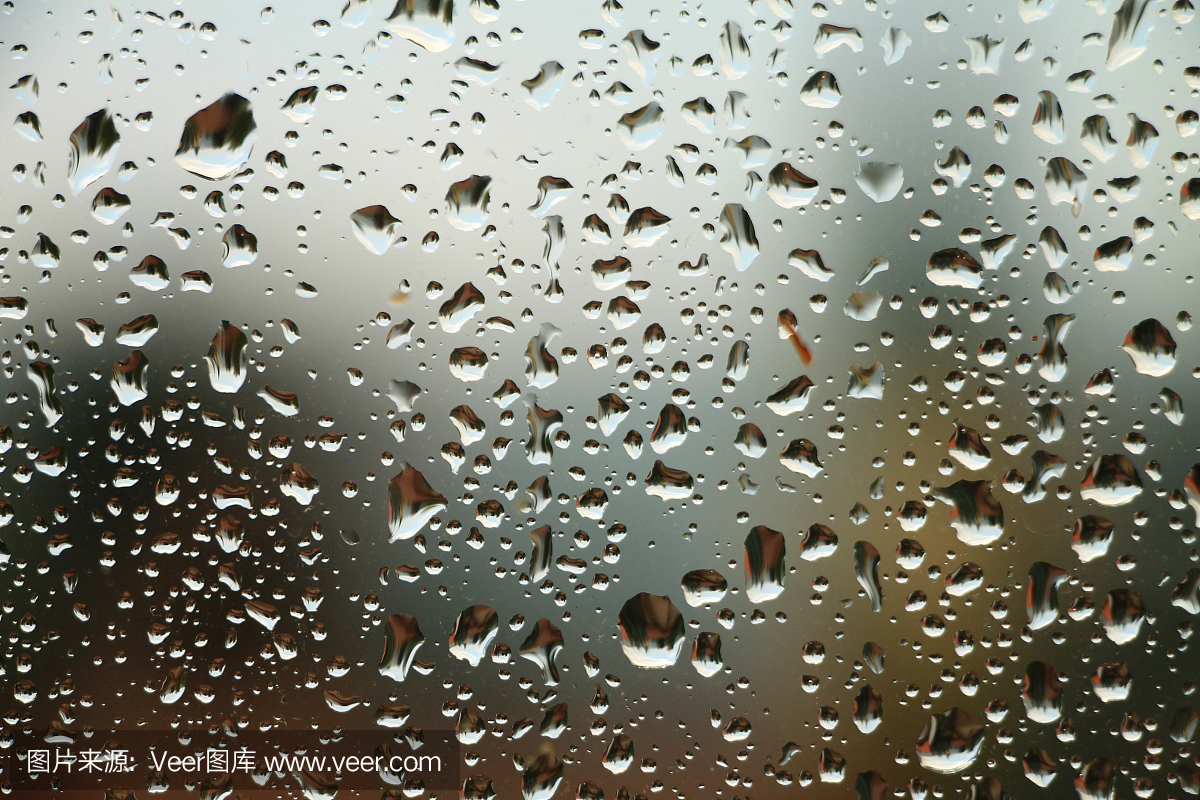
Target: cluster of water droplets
{"x": 454, "y": 200}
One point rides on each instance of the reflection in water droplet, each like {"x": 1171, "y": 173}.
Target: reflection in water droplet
{"x": 1041, "y": 595}
{"x": 151, "y": 274}
{"x": 1186, "y": 595}
{"x": 281, "y": 402}
{"x": 734, "y": 51}
{"x": 895, "y": 43}
{"x": 809, "y": 262}
{"x": 652, "y": 631}
{"x": 41, "y": 374}
{"x": 863, "y": 306}
{"x": 411, "y": 503}
{"x": 968, "y": 449}
{"x": 130, "y": 379}
{"x": 468, "y": 364}
{"x": 702, "y": 586}
{"x": 543, "y": 537}
{"x": 217, "y": 140}
{"x": 765, "y": 567}
{"x": 819, "y": 541}
{"x": 465, "y": 303}
{"x": 950, "y": 742}
{"x": 868, "y": 709}
{"x": 473, "y": 631}
{"x": 866, "y": 572}
{"x": 1091, "y": 537}
{"x": 592, "y": 503}
{"x": 1053, "y": 356}
{"x": 956, "y": 166}
{"x": 376, "y": 228}
{"x": 1131, "y": 27}
{"x": 706, "y": 654}
{"x": 227, "y": 359}
{"x": 1151, "y": 348}
{"x": 866, "y": 383}
{"x": 427, "y": 23}
{"x": 541, "y": 778}
{"x": 977, "y": 517}
{"x": 1056, "y": 289}
{"x": 240, "y": 247}
{"x": 543, "y": 86}
{"x": 821, "y": 91}
{"x": 792, "y": 398}
{"x": 1122, "y": 615}
{"x": 617, "y": 758}
{"x": 737, "y": 235}
{"x": 966, "y": 578}
{"x": 831, "y": 766}
{"x": 1172, "y": 405}
{"x": 45, "y": 254}
{"x": 789, "y": 187}
{"x": 870, "y": 785}
{"x": 94, "y": 145}
{"x": 641, "y": 128}
{"x": 1095, "y": 779}
{"x": 873, "y": 656}
{"x": 1039, "y": 766}
{"x": 301, "y": 106}
{"x": 402, "y": 639}
{"x": 1112, "y": 682}
{"x": 668, "y": 483}
{"x": 173, "y": 686}
{"x": 299, "y": 484}
{"x": 1097, "y": 138}
{"x": 1048, "y": 119}
{"x": 645, "y": 226}
{"x": 541, "y": 368}
{"x": 109, "y": 205}
{"x": 750, "y": 441}
{"x": 912, "y": 516}
{"x": 404, "y": 395}
{"x": 800, "y": 456}
{"x": 1042, "y": 692}
{"x": 541, "y": 647}
{"x": 954, "y": 267}
{"x": 467, "y": 202}
{"x": 670, "y": 429}
{"x": 1191, "y": 490}
{"x": 1111, "y": 481}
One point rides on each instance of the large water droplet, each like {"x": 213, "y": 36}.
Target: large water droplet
{"x": 473, "y": 631}
{"x": 427, "y": 23}
{"x": 652, "y": 631}
{"x": 1111, "y": 480}
{"x": 376, "y": 228}
{"x": 94, "y": 146}
{"x": 950, "y": 742}
{"x": 411, "y": 503}
{"x": 217, "y": 140}
{"x": 765, "y": 565}
{"x": 402, "y": 639}
{"x": 227, "y": 359}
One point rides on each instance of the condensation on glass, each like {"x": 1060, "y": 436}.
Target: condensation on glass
{"x": 705, "y": 399}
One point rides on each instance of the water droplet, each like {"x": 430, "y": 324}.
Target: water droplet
{"x": 216, "y": 141}
{"x": 94, "y": 145}
{"x": 765, "y": 567}
{"x": 950, "y": 741}
{"x": 412, "y": 502}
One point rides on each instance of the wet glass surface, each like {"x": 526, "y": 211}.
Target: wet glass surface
{"x": 701, "y": 399}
